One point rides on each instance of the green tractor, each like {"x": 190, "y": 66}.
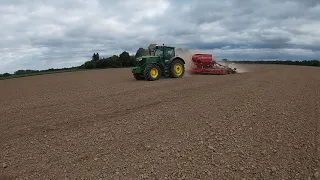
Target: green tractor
{"x": 162, "y": 61}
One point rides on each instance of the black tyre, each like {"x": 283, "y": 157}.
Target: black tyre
{"x": 152, "y": 72}
{"x": 176, "y": 69}
{"x": 138, "y": 76}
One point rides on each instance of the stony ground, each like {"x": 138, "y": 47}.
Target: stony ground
{"x": 262, "y": 124}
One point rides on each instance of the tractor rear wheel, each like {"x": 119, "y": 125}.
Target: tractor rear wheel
{"x": 138, "y": 76}
{"x": 152, "y": 72}
{"x": 176, "y": 69}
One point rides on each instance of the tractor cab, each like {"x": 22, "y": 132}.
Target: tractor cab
{"x": 164, "y": 52}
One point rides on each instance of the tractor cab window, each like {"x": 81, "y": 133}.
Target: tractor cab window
{"x": 158, "y": 52}
{"x": 170, "y": 52}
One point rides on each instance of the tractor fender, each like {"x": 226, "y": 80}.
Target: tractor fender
{"x": 174, "y": 58}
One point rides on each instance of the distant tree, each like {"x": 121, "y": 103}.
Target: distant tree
{"x": 6, "y": 74}
{"x": 97, "y": 57}
{"x": 114, "y": 61}
{"x": 20, "y": 72}
{"x": 124, "y": 59}
{"x": 100, "y": 64}
{"x": 88, "y": 65}
{"x": 93, "y": 56}
{"x": 133, "y": 60}
{"x": 141, "y": 52}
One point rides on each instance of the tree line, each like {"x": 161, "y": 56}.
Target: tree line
{"x": 126, "y": 60}
{"x": 116, "y": 61}
{"x": 287, "y": 62}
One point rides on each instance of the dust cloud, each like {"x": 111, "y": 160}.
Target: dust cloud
{"x": 239, "y": 68}
{"x": 186, "y": 55}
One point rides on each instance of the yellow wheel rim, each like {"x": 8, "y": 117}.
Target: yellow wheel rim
{"x": 154, "y": 73}
{"x": 178, "y": 69}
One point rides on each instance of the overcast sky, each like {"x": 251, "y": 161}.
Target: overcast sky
{"x": 63, "y": 33}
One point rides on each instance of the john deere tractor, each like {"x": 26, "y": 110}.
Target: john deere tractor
{"x": 161, "y": 61}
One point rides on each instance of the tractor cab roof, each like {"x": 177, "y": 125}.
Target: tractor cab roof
{"x": 164, "y": 46}
{"x": 152, "y": 47}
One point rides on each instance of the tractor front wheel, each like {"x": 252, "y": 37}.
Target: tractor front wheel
{"x": 152, "y": 72}
{"x": 176, "y": 69}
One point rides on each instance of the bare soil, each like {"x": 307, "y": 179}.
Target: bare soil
{"x": 261, "y": 124}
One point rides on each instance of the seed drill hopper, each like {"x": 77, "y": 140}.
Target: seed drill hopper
{"x": 204, "y": 64}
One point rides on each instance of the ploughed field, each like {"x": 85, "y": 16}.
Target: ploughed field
{"x": 261, "y": 124}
